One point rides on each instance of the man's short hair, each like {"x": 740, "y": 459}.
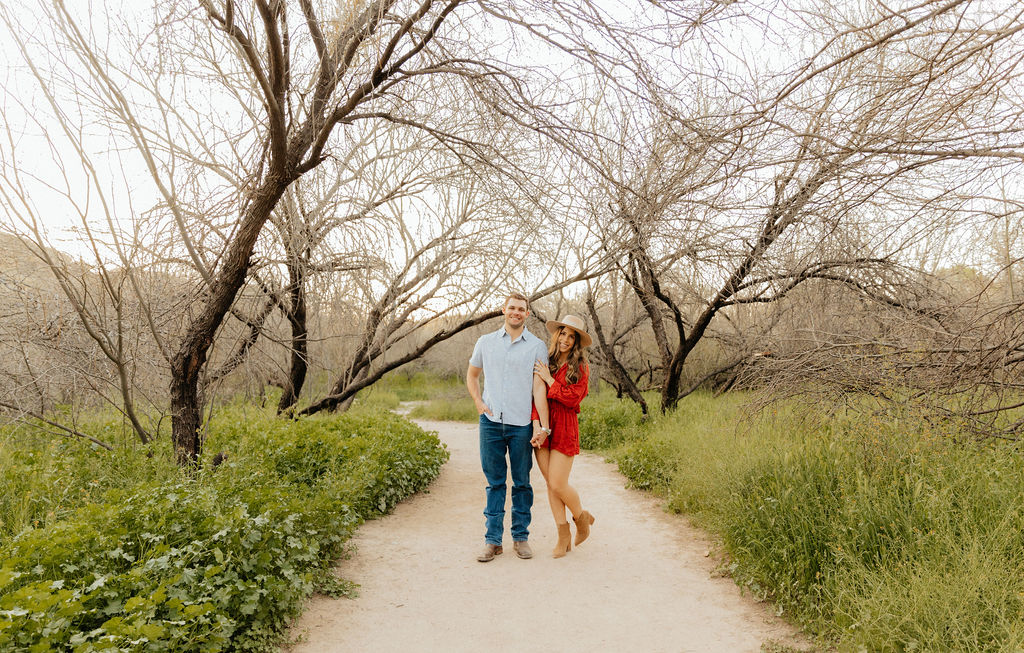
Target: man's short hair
{"x": 517, "y": 295}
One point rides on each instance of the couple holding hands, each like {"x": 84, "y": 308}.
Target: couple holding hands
{"x": 529, "y": 406}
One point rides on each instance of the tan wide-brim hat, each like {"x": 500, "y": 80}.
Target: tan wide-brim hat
{"x": 575, "y": 323}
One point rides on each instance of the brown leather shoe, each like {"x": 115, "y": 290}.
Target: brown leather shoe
{"x": 490, "y": 550}
{"x": 564, "y": 541}
{"x": 583, "y": 524}
{"x": 523, "y": 549}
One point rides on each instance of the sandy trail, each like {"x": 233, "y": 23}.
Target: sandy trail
{"x": 640, "y": 583}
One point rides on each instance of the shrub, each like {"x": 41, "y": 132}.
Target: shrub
{"x": 606, "y": 422}
{"x": 877, "y": 534}
{"x": 216, "y": 562}
{"x": 643, "y": 462}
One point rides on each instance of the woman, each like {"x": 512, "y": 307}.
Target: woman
{"x": 566, "y": 377}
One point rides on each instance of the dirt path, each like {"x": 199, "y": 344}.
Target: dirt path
{"x": 640, "y": 583}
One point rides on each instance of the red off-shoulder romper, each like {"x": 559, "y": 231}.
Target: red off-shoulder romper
{"x": 563, "y": 407}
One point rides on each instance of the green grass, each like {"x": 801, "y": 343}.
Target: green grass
{"x": 438, "y": 398}
{"x": 45, "y": 478}
{"x": 419, "y": 385}
{"x": 877, "y": 534}
{"x": 452, "y": 410}
{"x": 122, "y": 551}
{"x": 378, "y": 399}
{"x": 400, "y": 386}
{"x": 606, "y": 422}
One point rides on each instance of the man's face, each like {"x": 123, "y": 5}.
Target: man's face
{"x": 516, "y": 313}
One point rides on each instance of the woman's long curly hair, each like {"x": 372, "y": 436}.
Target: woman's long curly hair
{"x": 577, "y": 356}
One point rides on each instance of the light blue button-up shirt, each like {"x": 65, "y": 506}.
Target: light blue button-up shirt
{"x": 508, "y": 373}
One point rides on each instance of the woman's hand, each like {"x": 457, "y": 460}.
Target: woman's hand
{"x": 539, "y": 435}
{"x": 541, "y": 370}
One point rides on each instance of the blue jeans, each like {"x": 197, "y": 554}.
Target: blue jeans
{"x": 495, "y": 440}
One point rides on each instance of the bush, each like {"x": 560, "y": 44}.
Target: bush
{"x": 216, "y": 562}
{"x": 606, "y": 422}
{"x": 876, "y": 534}
{"x": 645, "y": 464}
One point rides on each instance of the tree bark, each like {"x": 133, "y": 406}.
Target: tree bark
{"x": 300, "y": 334}
{"x": 190, "y": 358}
{"x": 625, "y": 383}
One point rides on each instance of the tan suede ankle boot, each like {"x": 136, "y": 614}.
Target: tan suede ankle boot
{"x": 564, "y": 541}
{"x": 583, "y": 523}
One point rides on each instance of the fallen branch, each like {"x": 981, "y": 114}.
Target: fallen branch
{"x": 67, "y": 432}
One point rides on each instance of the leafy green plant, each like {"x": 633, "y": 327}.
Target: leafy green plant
{"x": 606, "y": 422}
{"x": 216, "y": 562}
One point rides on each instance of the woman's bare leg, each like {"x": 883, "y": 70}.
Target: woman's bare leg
{"x": 557, "y": 506}
{"x": 543, "y": 456}
{"x": 558, "y": 468}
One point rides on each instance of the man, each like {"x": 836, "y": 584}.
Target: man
{"x": 506, "y": 357}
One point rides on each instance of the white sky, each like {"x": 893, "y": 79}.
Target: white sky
{"x": 58, "y": 191}
{"x": 63, "y": 192}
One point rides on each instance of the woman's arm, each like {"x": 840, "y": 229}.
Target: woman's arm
{"x": 540, "y": 417}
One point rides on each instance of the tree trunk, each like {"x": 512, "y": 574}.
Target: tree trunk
{"x": 190, "y": 358}
{"x": 185, "y": 411}
{"x": 300, "y": 334}
{"x": 670, "y": 387}
{"x": 625, "y": 383}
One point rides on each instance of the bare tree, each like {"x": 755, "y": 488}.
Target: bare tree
{"x": 409, "y": 166}
{"x": 295, "y": 77}
{"x": 450, "y": 278}
{"x": 831, "y": 169}
{"x": 345, "y": 196}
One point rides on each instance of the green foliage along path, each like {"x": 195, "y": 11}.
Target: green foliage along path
{"x": 878, "y": 533}
{"x": 219, "y": 562}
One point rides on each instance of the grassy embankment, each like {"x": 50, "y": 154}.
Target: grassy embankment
{"x": 876, "y": 534}
{"x": 433, "y": 397}
{"x": 121, "y": 551}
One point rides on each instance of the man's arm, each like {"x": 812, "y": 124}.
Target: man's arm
{"x": 473, "y": 385}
